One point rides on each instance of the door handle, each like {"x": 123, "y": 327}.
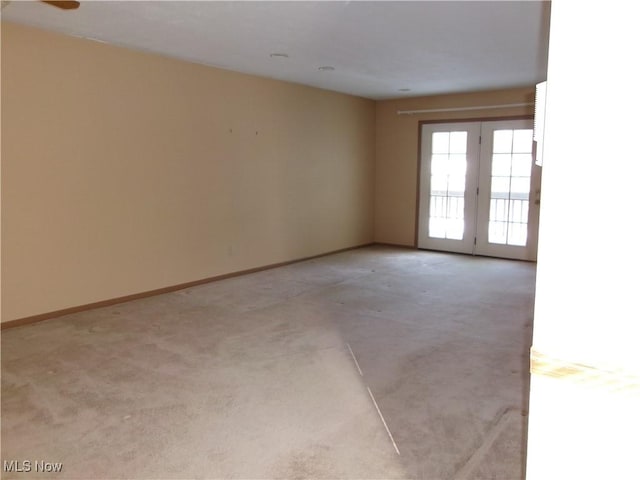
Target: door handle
{"x": 537, "y": 200}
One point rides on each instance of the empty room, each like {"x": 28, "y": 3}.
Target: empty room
{"x": 315, "y": 240}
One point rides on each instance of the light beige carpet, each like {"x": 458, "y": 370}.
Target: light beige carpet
{"x": 254, "y": 376}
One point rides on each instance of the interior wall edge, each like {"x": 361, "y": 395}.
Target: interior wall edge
{"x": 395, "y": 245}
{"x": 159, "y": 291}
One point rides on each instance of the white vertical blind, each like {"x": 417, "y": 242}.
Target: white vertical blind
{"x": 538, "y": 120}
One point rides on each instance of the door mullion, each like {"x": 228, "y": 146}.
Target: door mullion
{"x": 477, "y": 189}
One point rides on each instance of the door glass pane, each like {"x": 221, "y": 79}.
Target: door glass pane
{"x": 502, "y": 141}
{"x": 439, "y": 164}
{"x": 521, "y": 165}
{"x": 458, "y": 143}
{"x": 510, "y": 184}
{"x": 456, "y": 185}
{"x": 522, "y": 141}
{"x": 501, "y": 164}
{"x": 439, "y": 185}
{"x": 448, "y": 182}
{"x": 457, "y": 164}
{"x": 440, "y": 142}
{"x": 500, "y": 187}
{"x": 498, "y": 232}
{"x": 520, "y": 187}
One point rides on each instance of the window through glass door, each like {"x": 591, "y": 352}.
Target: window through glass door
{"x": 449, "y": 170}
{"x": 479, "y": 189}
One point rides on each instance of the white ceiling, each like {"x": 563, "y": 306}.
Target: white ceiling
{"x": 376, "y": 48}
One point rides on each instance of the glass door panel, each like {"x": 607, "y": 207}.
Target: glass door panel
{"x": 448, "y": 178}
{"x": 479, "y": 189}
{"x": 448, "y": 182}
{"x": 505, "y": 185}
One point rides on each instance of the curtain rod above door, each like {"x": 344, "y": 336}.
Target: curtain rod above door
{"x": 462, "y": 109}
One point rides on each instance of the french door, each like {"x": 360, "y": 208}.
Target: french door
{"x": 479, "y": 189}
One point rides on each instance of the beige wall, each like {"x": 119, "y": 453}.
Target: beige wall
{"x": 397, "y": 152}
{"x": 124, "y": 172}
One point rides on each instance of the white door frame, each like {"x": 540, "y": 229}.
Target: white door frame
{"x": 476, "y": 196}
{"x": 424, "y": 241}
{"x": 483, "y": 247}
